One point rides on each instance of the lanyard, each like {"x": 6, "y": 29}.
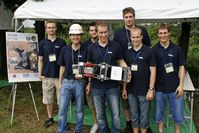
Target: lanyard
{"x": 128, "y": 39}
{"x": 73, "y": 60}
{"x": 135, "y": 56}
{"x": 104, "y": 57}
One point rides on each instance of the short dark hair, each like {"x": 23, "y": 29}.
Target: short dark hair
{"x": 163, "y": 26}
{"x": 92, "y": 24}
{"x": 128, "y": 10}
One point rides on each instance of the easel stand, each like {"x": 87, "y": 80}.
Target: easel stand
{"x": 13, "y": 96}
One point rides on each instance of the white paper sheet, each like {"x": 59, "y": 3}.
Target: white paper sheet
{"x": 116, "y": 73}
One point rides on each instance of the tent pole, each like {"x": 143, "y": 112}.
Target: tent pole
{"x": 16, "y": 26}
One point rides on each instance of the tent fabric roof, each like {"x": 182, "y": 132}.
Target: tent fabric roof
{"x": 146, "y": 10}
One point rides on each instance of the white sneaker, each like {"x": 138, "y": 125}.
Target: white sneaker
{"x": 94, "y": 128}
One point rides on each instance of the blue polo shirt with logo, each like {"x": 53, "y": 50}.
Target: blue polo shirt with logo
{"x": 46, "y": 48}
{"x": 69, "y": 56}
{"x": 123, "y": 37}
{"x": 108, "y": 54}
{"x": 144, "y": 58}
{"x": 168, "y": 82}
{"x": 87, "y": 43}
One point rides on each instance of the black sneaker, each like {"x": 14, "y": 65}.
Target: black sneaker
{"x": 77, "y": 131}
{"x": 48, "y": 122}
{"x": 128, "y": 129}
{"x": 149, "y": 130}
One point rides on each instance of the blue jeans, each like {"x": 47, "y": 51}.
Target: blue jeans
{"x": 176, "y": 107}
{"x": 112, "y": 97}
{"x": 139, "y": 107}
{"x": 71, "y": 88}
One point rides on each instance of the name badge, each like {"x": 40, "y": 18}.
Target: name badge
{"x": 52, "y": 58}
{"x": 75, "y": 68}
{"x": 80, "y": 56}
{"x": 134, "y": 67}
{"x": 129, "y": 45}
{"x": 169, "y": 67}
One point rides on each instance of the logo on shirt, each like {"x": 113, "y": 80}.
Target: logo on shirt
{"x": 170, "y": 55}
{"x": 141, "y": 58}
{"x": 56, "y": 46}
{"x": 80, "y": 56}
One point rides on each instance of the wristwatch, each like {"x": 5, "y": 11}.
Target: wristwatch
{"x": 151, "y": 88}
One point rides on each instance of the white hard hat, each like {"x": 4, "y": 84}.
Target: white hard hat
{"x": 75, "y": 29}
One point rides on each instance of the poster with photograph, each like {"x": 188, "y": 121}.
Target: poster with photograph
{"x": 21, "y": 50}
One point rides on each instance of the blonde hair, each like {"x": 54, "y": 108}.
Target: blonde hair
{"x": 137, "y": 29}
{"x": 102, "y": 24}
{"x": 50, "y": 21}
{"x": 163, "y": 26}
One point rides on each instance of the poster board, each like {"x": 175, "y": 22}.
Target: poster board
{"x": 21, "y": 50}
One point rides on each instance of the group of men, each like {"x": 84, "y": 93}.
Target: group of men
{"x": 155, "y": 72}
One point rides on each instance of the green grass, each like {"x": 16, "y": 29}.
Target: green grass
{"x": 25, "y": 120}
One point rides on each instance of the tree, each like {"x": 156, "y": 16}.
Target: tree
{"x": 184, "y": 38}
{"x": 39, "y": 28}
{"x": 12, "y": 4}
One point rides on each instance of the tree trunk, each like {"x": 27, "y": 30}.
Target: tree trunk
{"x": 3, "y": 63}
{"x": 184, "y": 38}
{"x": 40, "y": 30}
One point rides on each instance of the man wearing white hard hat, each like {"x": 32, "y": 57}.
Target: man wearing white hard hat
{"x": 72, "y": 83}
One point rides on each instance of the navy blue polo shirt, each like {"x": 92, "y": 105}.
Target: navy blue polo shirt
{"x": 46, "y": 48}
{"x": 108, "y": 54}
{"x": 87, "y": 43}
{"x": 168, "y": 82}
{"x": 144, "y": 58}
{"x": 69, "y": 56}
{"x": 122, "y": 36}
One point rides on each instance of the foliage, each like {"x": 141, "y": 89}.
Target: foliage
{"x": 152, "y": 31}
{"x": 117, "y": 26}
{"x": 12, "y": 4}
{"x": 28, "y": 30}
{"x": 194, "y": 36}
{"x": 193, "y": 54}
{"x": 63, "y": 29}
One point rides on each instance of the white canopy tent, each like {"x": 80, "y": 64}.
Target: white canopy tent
{"x": 110, "y": 10}
{"x": 85, "y": 10}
